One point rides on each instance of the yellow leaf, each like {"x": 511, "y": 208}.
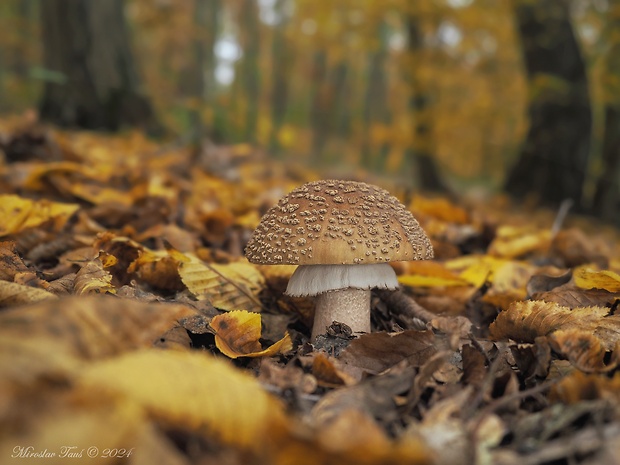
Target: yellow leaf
{"x": 512, "y": 242}
{"x": 589, "y": 279}
{"x": 226, "y": 286}
{"x": 429, "y": 274}
{"x": 440, "y": 208}
{"x": 189, "y": 390}
{"x": 17, "y": 213}
{"x": 237, "y": 334}
{"x": 482, "y": 269}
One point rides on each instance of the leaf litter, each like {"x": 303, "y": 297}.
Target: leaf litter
{"x": 130, "y": 320}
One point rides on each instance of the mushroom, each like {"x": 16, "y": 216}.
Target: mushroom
{"x": 342, "y": 234}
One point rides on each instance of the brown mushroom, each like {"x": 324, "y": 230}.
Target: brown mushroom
{"x": 342, "y": 234}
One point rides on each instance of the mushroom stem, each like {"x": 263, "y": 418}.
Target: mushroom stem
{"x": 348, "y": 306}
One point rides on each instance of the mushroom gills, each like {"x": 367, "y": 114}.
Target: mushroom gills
{"x": 309, "y": 280}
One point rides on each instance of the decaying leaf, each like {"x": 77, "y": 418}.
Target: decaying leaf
{"x": 582, "y": 334}
{"x": 377, "y": 352}
{"x": 582, "y": 348}
{"x": 237, "y": 334}
{"x": 188, "y": 390}
{"x": 11, "y": 262}
{"x": 579, "y": 386}
{"x": 18, "y": 294}
{"x": 525, "y": 321}
{"x": 93, "y": 278}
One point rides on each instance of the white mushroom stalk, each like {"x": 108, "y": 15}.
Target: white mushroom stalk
{"x": 343, "y": 292}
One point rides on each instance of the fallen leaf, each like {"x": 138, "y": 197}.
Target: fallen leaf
{"x": 514, "y": 242}
{"x": 12, "y": 263}
{"x": 237, "y": 334}
{"x": 430, "y": 274}
{"x": 189, "y": 390}
{"x": 376, "y": 352}
{"x": 227, "y": 286}
{"x": 93, "y": 278}
{"x": 578, "y": 386}
{"x": 590, "y": 279}
{"x": 17, "y": 294}
{"x": 525, "y": 321}
{"x": 18, "y": 213}
{"x": 582, "y": 348}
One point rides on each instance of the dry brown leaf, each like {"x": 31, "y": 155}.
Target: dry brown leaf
{"x": 18, "y": 213}
{"x": 93, "y": 278}
{"x": 76, "y": 431}
{"x": 229, "y": 286}
{"x": 582, "y": 334}
{"x": 46, "y": 344}
{"x": 327, "y": 373}
{"x": 237, "y": 334}
{"x": 189, "y": 390}
{"x": 572, "y": 296}
{"x": 376, "y": 352}
{"x": 11, "y": 262}
{"x": 578, "y": 386}
{"x": 18, "y": 294}
{"x": 525, "y": 321}
{"x": 582, "y": 348}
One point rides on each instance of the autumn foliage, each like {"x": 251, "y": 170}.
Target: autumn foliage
{"x": 132, "y": 326}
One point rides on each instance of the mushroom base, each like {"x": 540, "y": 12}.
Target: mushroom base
{"x": 348, "y": 306}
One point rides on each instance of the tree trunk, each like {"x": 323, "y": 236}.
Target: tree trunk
{"x": 282, "y": 58}
{"x": 375, "y": 110}
{"x": 87, "y": 43}
{"x": 607, "y": 193}
{"x": 553, "y": 160}
{"x": 423, "y": 148}
{"x": 249, "y": 67}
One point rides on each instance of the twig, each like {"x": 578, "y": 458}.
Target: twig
{"x": 565, "y": 206}
{"x": 402, "y": 304}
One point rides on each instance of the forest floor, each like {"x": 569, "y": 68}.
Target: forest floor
{"x": 133, "y": 330}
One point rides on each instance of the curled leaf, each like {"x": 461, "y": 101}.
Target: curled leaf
{"x": 237, "y": 334}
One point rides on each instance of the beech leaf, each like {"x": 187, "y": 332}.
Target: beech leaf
{"x": 237, "y": 334}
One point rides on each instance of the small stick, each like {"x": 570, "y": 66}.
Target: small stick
{"x": 402, "y": 304}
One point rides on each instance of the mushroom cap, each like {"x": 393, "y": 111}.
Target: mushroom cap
{"x": 337, "y": 222}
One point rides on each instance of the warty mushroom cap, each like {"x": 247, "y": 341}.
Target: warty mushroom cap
{"x": 338, "y": 222}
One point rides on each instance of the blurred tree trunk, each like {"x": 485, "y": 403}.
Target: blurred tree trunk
{"x": 423, "y": 147}
{"x": 197, "y": 80}
{"x": 88, "y": 43}
{"x": 250, "y": 76}
{"x": 281, "y": 64}
{"x": 374, "y": 109}
{"x": 319, "y": 99}
{"x": 607, "y": 193}
{"x": 553, "y": 160}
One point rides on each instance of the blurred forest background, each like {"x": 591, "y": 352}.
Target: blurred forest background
{"x": 519, "y": 96}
